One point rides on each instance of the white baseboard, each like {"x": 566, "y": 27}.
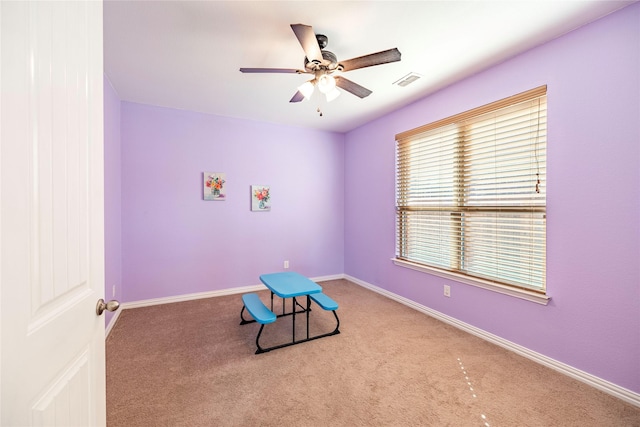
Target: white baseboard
{"x": 600, "y": 384}
{"x": 112, "y": 322}
{"x": 199, "y": 295}
{"x": 179, "y": 298}
{"x": 326, "y": 278}
{"x": 596, "y": 382}
{"x": 191, "y": 297}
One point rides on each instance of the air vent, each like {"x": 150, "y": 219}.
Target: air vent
{"x": 407, "y": 80}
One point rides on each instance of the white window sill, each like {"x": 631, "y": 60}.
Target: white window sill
{"x": 485, "y": 284}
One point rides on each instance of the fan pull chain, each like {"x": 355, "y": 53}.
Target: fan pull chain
{"x": 320, "y": 113}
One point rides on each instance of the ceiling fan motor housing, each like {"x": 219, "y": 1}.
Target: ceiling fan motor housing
{"x": 329, "y": 63}
{"x": 323, "y": 40}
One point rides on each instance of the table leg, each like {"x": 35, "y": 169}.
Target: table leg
{"x": 294, "y": 320}
{"x": 308, "y": 309}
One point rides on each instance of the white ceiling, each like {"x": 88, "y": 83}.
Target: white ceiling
{"x": 187, "y": 54}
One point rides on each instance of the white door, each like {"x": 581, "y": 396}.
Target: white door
{"x": 51, "y": 200}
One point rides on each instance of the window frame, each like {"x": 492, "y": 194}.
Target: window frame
{"x": 536, "y": 295}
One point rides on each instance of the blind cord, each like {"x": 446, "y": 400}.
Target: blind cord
{"x": 536, "y": 149}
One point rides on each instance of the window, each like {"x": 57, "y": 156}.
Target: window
{"x": 471, "y": 194}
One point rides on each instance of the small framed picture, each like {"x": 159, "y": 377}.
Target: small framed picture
{"x": 260, "y": 198}
{"x": 213, "y": 186}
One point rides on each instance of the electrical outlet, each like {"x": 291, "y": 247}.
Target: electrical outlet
{"x": 447, "y": 290}
{"x": 113, "y": 291}
{"x": 286, "y": 264}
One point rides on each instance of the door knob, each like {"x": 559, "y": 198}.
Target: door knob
{"x": 109, "y": 306}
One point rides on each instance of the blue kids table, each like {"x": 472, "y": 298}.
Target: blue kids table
{"x": 287, "y": 285}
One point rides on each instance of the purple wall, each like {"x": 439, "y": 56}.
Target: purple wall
{"x": 593, "y": 204}
{"x": 112, "y": 195}
{"x": 175, "y": 243}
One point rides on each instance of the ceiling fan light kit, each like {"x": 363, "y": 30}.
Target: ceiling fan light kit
{"x": 306, "y": 89}
{"x": 322, "y": 64}
{"x": 333, "y": 94}
{"x": 326, "y": 84}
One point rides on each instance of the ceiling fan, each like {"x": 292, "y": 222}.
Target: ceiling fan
{"x": 322, "y": 64}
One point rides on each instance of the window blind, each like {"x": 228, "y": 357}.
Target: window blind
{"x": 471, "y": 192}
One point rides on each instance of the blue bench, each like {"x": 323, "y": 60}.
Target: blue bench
{"x": 328, "y": 304}
{"x": 261, "y": 314}
{"x": 324, "y": 301}
{"x": 257, "y": 309}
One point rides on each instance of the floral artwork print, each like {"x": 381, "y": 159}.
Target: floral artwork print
{"x": 260, "y": 197}
{"x": 214, "y": 186}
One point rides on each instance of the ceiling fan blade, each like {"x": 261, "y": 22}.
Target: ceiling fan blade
{"x": 352, "y": 87}
{"x": 384, "y": 57}
{"x": 308, "y": 41}
{"x": 297, "y": 97}
{"x": 272, "y": 70}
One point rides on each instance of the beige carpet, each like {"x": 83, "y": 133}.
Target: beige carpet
{"x": 192, "y": 364}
